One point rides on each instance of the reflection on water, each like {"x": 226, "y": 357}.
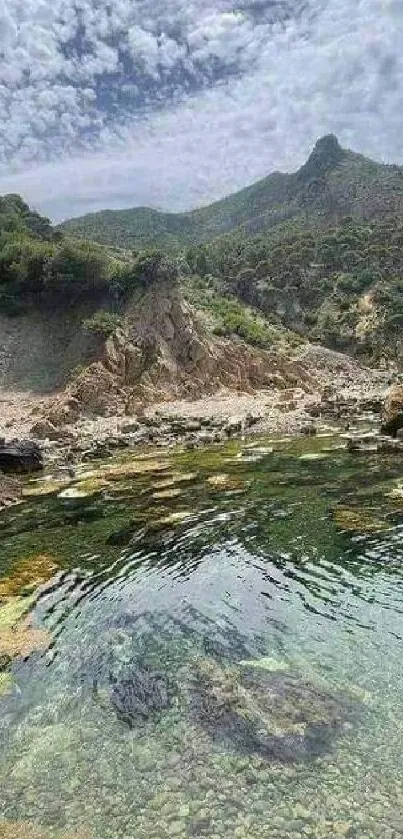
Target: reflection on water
{"x": 220, "y": 648}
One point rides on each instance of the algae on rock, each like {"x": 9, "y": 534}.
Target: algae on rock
{"x": 17, "y": 635}
{"x": 27, "y": 574}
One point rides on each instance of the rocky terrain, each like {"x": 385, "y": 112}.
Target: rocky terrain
{"x": 289, "y": 331}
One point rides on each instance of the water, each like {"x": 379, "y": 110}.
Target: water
{"x": 249, "y": 602}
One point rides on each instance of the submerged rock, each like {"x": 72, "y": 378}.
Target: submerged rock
{"x": 359, "y": 520}
{"x": 140, "y": 695}
{"x": 266, "y": 663}
{"x": 278, "y": 715}
{"x": 20, "y": 456}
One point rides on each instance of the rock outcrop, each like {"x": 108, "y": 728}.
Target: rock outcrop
{"x": 20, "y": 456}
{"x": 393, "y": 411}
{"x": 164, "y": 352}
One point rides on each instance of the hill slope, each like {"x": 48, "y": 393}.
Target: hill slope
{"x": 333, "y": 183}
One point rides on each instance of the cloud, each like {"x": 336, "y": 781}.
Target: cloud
{"x": 172, "y": 103}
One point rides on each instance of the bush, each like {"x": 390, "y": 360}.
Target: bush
{"x": 78, "y": 267}
{"x": 148, "y": 269}
{"x": 103, "y": 323}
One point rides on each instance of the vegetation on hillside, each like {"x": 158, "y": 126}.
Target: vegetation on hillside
{"x": 342, "y": 287}
{"x": 39, "y": 266}
{"x": 332, "y": 183}
{"x": 228, "y": 317}
{"x": 316, "y": 255}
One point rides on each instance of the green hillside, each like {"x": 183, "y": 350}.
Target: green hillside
{"x": 333, "y": 183}
{"x": 316, "y": 255}
{"x": 341, "y": 286}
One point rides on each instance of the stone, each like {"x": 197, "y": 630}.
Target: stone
{"x": 191, "y": 426}
{"x": 130, "y": 427}
{"x": 309, "y": 430}
{"x": 140, "y": 695}
{"x": 10, "y": 491}
{"x": 233, "y": 426}
{"x": 392, "y": 415}
{"x": 176, "y": 828}
{"x": 44, "y": 429}
{"x": 20, "y": 456}
{"x": 266, "y": 663}
{"x": 279, "y": 716}
{"x": 27, "y": 830}
{"x": 252, "y": 419}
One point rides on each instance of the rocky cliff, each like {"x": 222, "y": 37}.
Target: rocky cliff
{"x": 163, "y": 351}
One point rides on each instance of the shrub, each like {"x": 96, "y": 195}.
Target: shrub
{"x": 78, "y": 267}
{"x": 103, "y": 323}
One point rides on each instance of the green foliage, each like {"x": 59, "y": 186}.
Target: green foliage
{"x": 147, "y": 268}
{"x": 228, "y": 317}
{"x": 79, "y": 266}
{"x": 39, "y": 266}
{"x": 103, "y": 323}
{"x": 320, "y": 283}
{"x": 37, "y": 263}
{"x": 332, "y": 187}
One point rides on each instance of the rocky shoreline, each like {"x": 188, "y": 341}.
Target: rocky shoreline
{"x": 355, "y": 409}
{"x": 210, "y": 421}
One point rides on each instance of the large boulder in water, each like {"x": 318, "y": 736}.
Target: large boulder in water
{"x": 20, "y": 456}
{"x": 392, "y": 417}
{"x": 279, "y": 715}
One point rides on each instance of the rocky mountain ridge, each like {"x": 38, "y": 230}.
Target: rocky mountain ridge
{"x": 333, "y": 183}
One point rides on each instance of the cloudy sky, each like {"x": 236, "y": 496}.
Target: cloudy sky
{"x": 172, "y": 103}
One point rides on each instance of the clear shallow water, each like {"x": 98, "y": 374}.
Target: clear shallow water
{"x": 190, "y": 565}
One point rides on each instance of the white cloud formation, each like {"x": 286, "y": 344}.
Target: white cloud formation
{"x": 215, "y": 94}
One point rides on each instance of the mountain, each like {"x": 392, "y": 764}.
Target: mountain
{"x": 333, "y": 183}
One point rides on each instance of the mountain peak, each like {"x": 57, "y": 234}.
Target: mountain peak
{"x": 328, "y": 144}
{"x": 326, "y": 154}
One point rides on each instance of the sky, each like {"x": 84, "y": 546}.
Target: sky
{"x": 174, "y": 103}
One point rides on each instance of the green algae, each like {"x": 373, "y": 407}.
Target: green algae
{"x": 27, "y": 574}
{"x": 359, "y": 520}
{"x": 13, "y": 610}
{"x": 18, "y": 637}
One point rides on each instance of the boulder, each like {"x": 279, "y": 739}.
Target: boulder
{"x": 139, "y": 695}
{"x": 10, "y": 491}
{"x": 43, "y": 429}
{"x": 392, "y": 416}
{"x": 277, "y": 714}
{"x": 20, "y": 456}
